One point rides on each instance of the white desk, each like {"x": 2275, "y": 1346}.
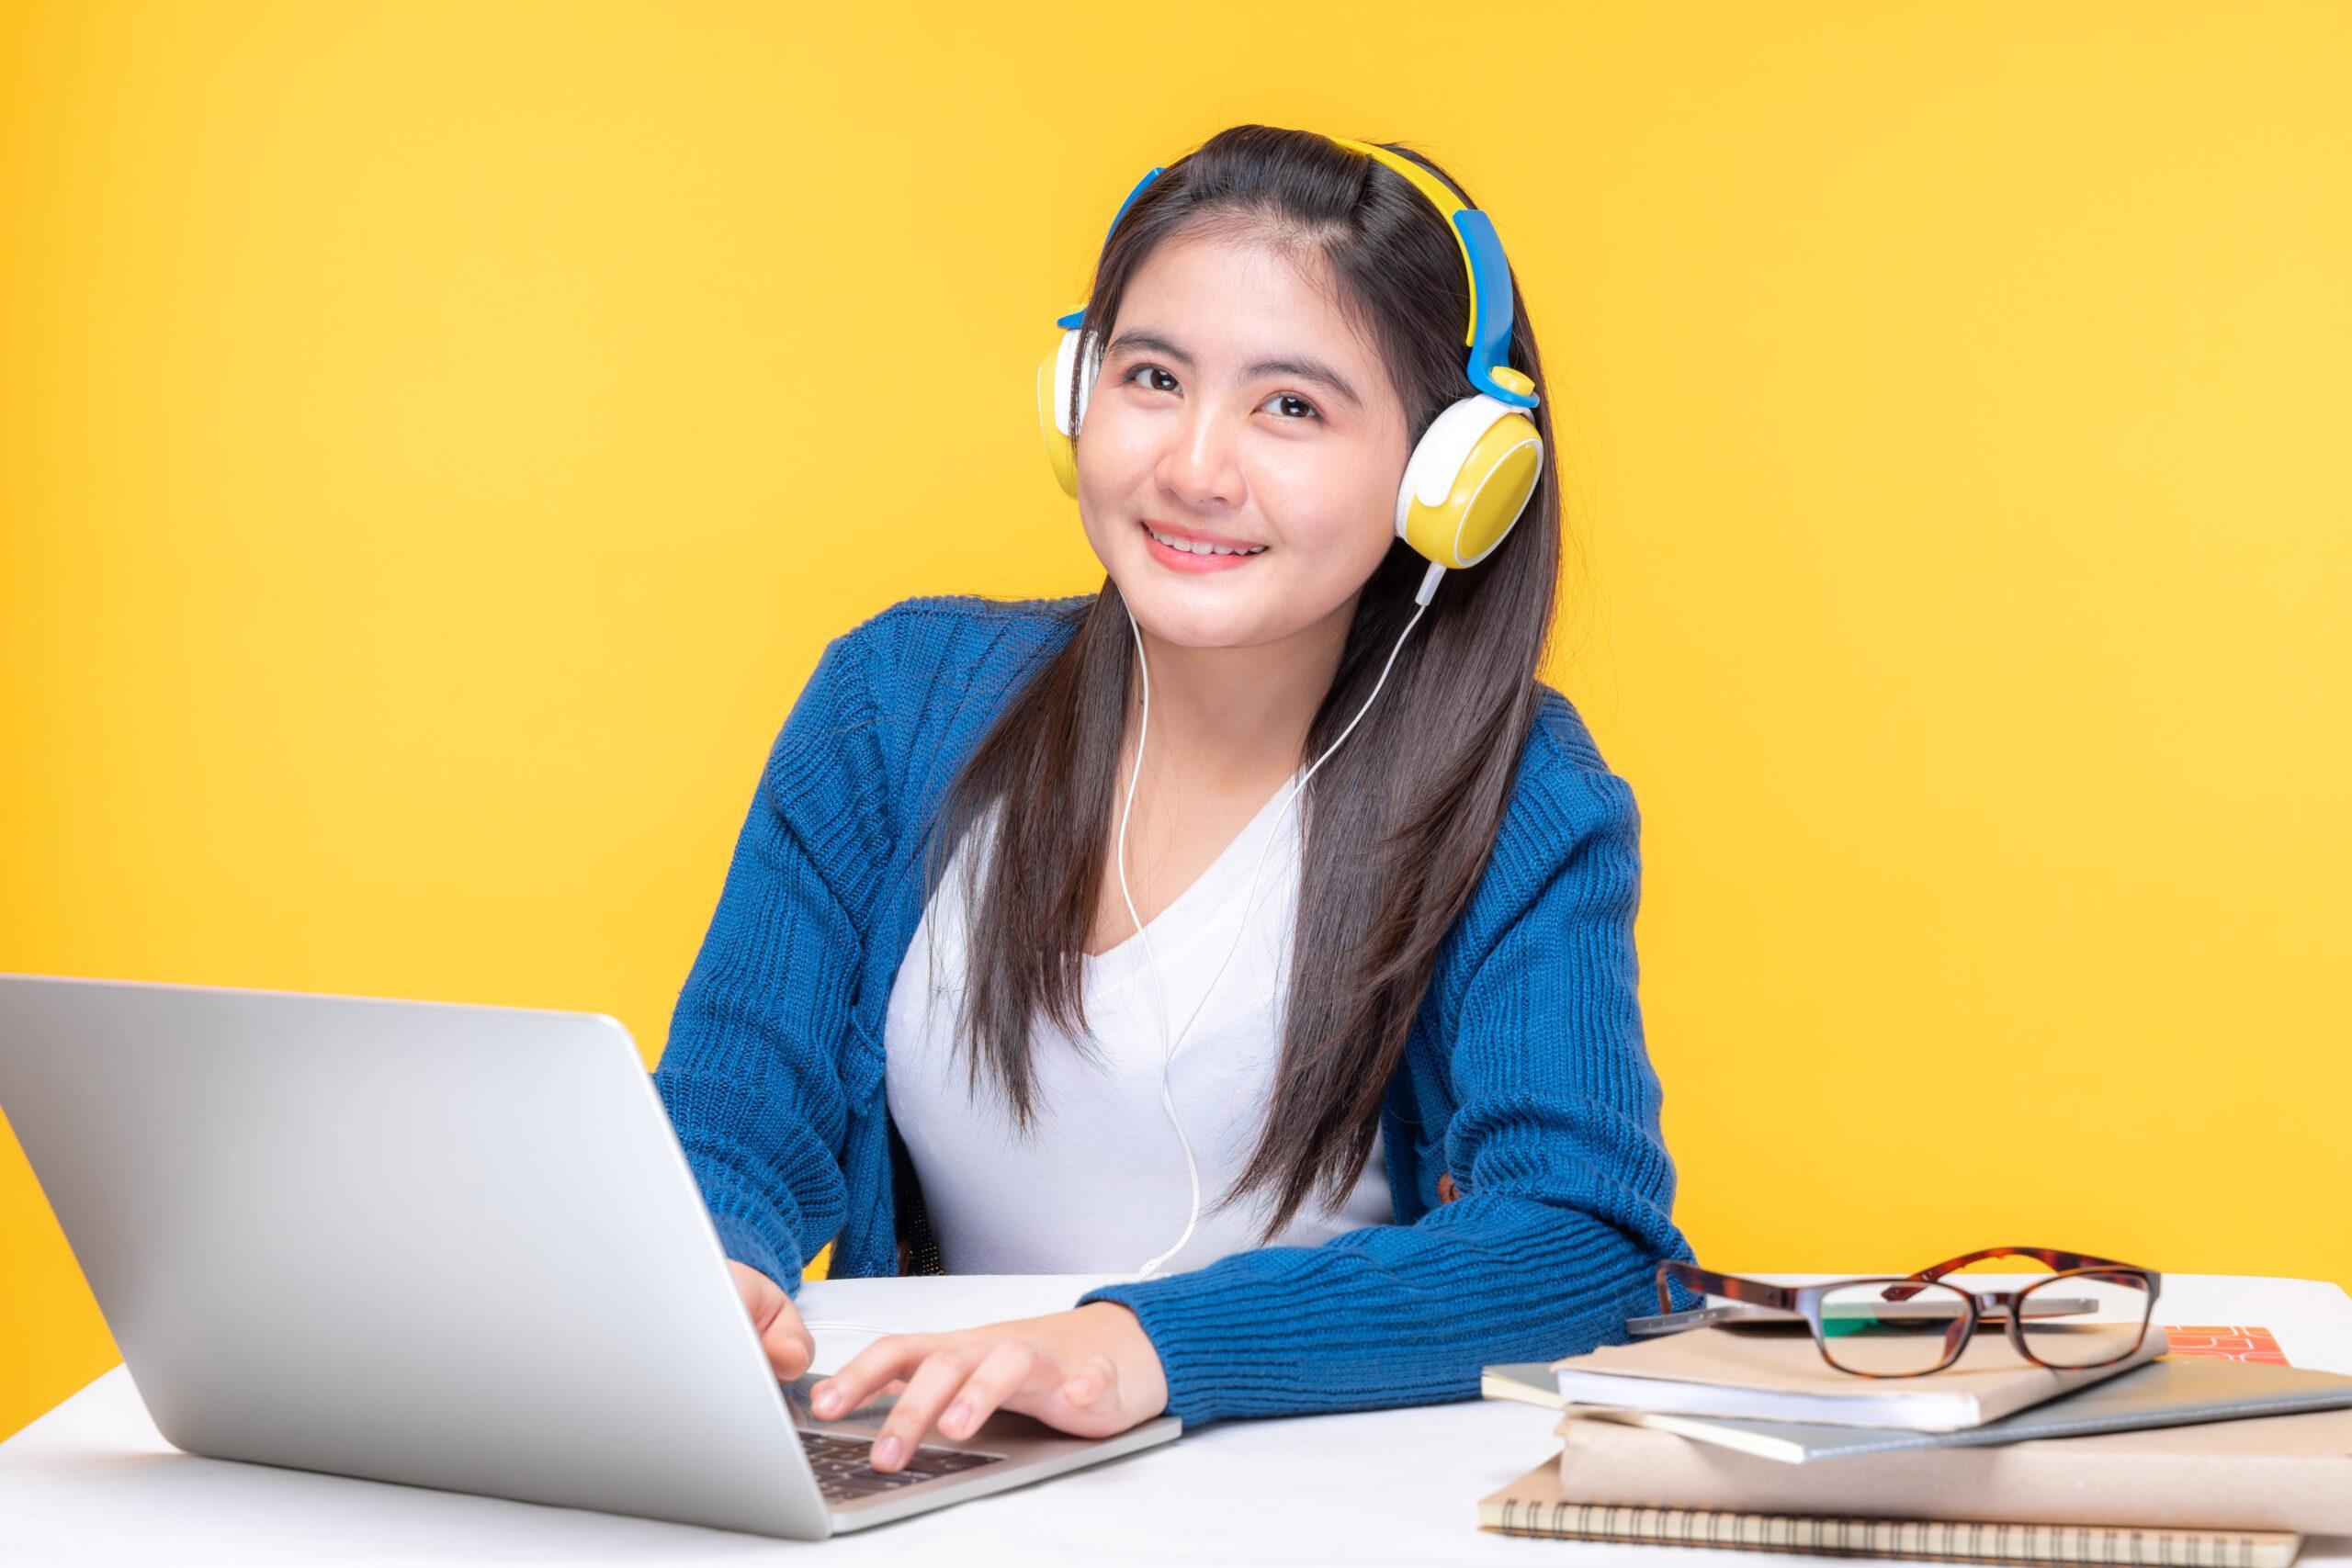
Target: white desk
{"x": 93, "y": 1483}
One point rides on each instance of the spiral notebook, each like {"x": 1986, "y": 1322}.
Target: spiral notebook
{"x": 1532, "y": 1506}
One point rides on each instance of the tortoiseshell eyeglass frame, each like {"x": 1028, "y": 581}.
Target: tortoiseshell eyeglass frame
{"x": 1805, "y": 1300}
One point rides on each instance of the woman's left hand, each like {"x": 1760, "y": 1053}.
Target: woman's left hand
{"x": 1091, "y": 1371}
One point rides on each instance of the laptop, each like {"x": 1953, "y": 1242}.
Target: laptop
{"x": 440, "y": 1245}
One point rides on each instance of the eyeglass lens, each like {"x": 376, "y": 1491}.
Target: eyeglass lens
{"x": 2120, "y": 1306}
{"x": 1864, "y": 1332}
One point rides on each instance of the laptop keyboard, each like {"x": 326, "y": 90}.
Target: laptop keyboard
{"x": 844, "y": 1470}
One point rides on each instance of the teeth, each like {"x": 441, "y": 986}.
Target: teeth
{"x": 1198, "y": 548}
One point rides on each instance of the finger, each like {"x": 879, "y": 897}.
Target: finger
{"x": 1091, "y": 1386}
{"x": 788, "y": 1353}
{"x": 791, "y": 1346}
{"x": 773, "y": 1320}
{"x": 863, "y": 1373}
{"x": 1006, "y": 1367}
{"x": 942, "y": 1373}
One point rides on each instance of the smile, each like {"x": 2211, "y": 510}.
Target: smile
{"x": 1186, "y": 555}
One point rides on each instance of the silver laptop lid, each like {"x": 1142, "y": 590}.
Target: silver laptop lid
{"x": 341, "y": 1232}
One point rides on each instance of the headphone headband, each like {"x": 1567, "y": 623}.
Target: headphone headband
{"x": 1488, "y": 339}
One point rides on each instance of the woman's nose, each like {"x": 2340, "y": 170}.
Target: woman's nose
{"x": 1201, "y": 464}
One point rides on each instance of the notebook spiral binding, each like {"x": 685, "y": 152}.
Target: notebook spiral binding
{"x": 2030, "y": 1546}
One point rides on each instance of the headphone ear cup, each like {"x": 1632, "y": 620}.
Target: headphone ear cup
{"x": 1053, "y": 411}
{"x": 1471, "y": 476}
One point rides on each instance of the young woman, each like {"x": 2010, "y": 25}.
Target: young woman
{"x": 1051, "y": 918}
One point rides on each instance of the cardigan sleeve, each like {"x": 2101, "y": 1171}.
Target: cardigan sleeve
{"x": 750, "y": 1075}
{"x": 1555, "y": 1142}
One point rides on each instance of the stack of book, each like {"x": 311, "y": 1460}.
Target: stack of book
{"x": 1726, "y": 1436}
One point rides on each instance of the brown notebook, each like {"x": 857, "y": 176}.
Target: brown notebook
{"x": 2276, "y": 1472}
{"x": 1782, "y": 1377}
{"x": 1534, "y": 1504}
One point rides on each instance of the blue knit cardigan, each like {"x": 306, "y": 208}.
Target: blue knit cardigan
{"x": 1525, "y": 1076}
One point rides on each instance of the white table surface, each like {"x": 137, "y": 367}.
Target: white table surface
{"x": 92, "y": 1482}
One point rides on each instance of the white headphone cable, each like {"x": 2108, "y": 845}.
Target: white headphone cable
{"x": 1167, "y": 1098}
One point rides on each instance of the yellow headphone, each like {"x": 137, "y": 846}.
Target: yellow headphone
{"x": 1473, "y": 470}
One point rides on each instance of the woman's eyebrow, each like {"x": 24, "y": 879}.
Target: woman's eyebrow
{"x": 1305, "y": 368}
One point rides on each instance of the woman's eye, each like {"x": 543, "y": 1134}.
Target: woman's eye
{"x": 1288, "y": 397}
{"x": 1152, "y": 370}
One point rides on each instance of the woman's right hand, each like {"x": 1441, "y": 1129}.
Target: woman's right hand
{"x": 786, "y": 1338}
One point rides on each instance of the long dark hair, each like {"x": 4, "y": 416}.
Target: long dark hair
{"x": 1400, "y": 822}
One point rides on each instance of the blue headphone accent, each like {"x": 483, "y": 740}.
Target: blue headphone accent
{"x": 1490, "y": 307}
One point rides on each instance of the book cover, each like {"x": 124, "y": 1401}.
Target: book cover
{"x": 1782, "y": 1377}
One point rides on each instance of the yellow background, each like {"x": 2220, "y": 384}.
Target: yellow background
{"x": 438, "y": 440}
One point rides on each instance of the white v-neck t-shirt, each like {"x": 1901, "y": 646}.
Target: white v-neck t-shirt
{"x": 1098, "y": 1185}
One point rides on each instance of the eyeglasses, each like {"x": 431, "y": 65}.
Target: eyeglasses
{"x": 1907, "y": 1327}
